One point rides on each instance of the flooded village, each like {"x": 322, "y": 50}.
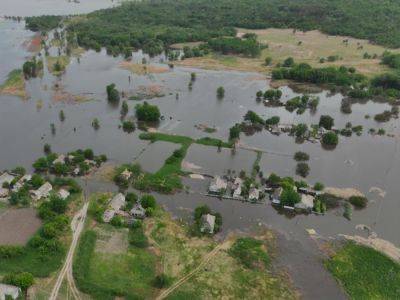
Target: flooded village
{"x": 282, "y": 172}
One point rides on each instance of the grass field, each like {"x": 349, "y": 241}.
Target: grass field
{"x": 14, "y": 85}
{"x": 306, "y": 47}
{"x": 365, "y": 273}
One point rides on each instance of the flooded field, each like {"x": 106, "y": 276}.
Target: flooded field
{"x": 363, "y": 162}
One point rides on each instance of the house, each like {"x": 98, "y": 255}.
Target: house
{"x": 138, "y": 212}
{"x": 217, "y": 185}
{"x": 6, "y": 177}
{"x": 63, "y": 194}
{"x": 306, "y": 203}
{"x": 25, "y": 178}
{"x": 126, "y": 174}
{"x": 115, "y": 205}
{"x": 254, "y": 194}
{"x": 208, "y": 223}
{"x": 9, "y": 291}
{"x": 21, "y": 182}
{"x": 59, "y": 160}
{"x": 42, "y": 192}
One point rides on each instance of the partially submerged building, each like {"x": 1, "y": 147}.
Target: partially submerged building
{"x": 254, "y": 194}
{"x": 6, "y": 177}
{"x": 208, "y": 223}
{"x": 42, "y": 192}
{"x": 217, "y": 186}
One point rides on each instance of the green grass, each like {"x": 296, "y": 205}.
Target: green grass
{"x": 157, "y": 136}
{"x": 14, "y": 78}
{"x": 250, "y": 253}
{"x": 33, "y": 261}
{"x": 365, "y": 273}
{"x": 208, "y": 141}
{"x": 106, "y": 275}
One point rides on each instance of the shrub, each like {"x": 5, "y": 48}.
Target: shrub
{"x": 128, "y": 126}
{"x": 273, "y": 121}
{"x": 148, "y": 113}
{"x": 318, "y": 186}
{"x": 301, "y": 156}
{"x": 326, "y": 122}
{"x": 148, "y": 201}
{"x": 290, "y": 197}
{"x": 220, "y": 92}
{"x": 302, "y": 169}
{"x": 330, "y": 139}
{"x": 162, "y": 281}
{"x": 358, "y": 201}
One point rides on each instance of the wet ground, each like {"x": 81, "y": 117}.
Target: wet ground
{"x": 360, "y": 162}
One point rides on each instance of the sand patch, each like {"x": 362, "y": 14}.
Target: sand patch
{"x": 344, "y": 193}
{"x": 146, "y": 92}
{"x": 142, "y": 69}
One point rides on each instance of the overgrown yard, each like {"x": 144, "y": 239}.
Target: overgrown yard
{"x": 365, "y": 273}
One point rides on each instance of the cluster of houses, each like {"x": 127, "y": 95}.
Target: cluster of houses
{"x": 307, "y": 198}
{"x": 76, "y": 171}
{"x": 232, "y": 187}
{"x": 115, "y": 207}
{"x": 310, "y": 135}
{"x": 12, "y": 183}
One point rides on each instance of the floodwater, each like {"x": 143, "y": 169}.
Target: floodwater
{"x": 360, "y": 162}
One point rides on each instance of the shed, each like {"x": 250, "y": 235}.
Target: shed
{"x": 60, "y": 159}
{"x": 254, "y": 194}
{"x": 64, "y": 194}
{"x": 138, "y": 212}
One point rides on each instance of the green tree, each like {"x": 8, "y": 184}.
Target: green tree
{"x": 290, "y": 197}
{"x": 220, "y": 92}
{"x": 124, "y": 108}
{"x": 148, "y": 201}
{"x": 112, "y": 93}
{"x": 330, "y": 139}
{"x": 326, "y": 122}
{"x": 148, "y": 113}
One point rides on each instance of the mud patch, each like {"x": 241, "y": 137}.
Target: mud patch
{"x": 344, "y": 193}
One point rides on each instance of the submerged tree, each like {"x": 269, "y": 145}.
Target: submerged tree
{"x": 112, "y": 93}
{"x": 220, "y": 92}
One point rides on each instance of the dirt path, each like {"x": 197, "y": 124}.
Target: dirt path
{"x": 203, "y": 262}
{"x": 77, "y": 226}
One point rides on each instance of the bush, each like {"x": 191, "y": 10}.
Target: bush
{"x": 302, "y": 169}
{"x": 128, "y": 126}
{"x": 162, "y": 281}
{"x": 9, "y": 251}
{"x": 301, "y": 156}
{"x": 148, "y": 201}
{"x": 330, "y": 139}
{"x": 220, "y": 92}
{"x": 112, "y": 93}
{"x": 148, "y": 113}
{"x": 273, "y": 121}
{"x": 358, "y": 201}
{"x": 326, "y": 122}
{"x": 318, "y": 186}
{"x": 289, "y": 197}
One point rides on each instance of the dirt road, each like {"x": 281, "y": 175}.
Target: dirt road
{"x": 77, "y": 225}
